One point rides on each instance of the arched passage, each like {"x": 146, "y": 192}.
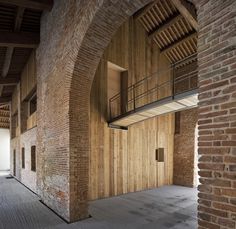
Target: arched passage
{"x": 107, "y": 20}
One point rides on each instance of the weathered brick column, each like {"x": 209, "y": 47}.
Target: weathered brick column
{"x": 217, "y": 113}
{"x": 73, "y": 37}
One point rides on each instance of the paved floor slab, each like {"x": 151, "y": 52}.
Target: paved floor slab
{"x": 172, "y": 207}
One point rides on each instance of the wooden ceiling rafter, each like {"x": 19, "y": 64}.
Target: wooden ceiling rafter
{"x": 9, "y": 81}
{"x": 4, "y": 100}
{"x": 30, "y": 4}
{"x": 10, "y": 50}
{"x": 20, "y": 33}
{"x": 19, "y": 39}
{"x": 188, "y": 12}
{"x": 165, "y": 25}
{"x": 170, "y": 28}
{"x": 142, "y": 12}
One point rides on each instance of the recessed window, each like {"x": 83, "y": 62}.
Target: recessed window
{"x": 33, "y": 158}
{"x": 160, "y": 157}
{"x": 23, "y": 157}
{"x": 33, "y": 105}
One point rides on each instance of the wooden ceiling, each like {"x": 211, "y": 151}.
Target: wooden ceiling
{"x": 173, "y": 26}
{"x": 20, "y": 34}
{"x": 5, "y": 116}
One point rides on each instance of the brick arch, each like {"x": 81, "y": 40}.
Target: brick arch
{"x": 106, "y": 21}
{"x": 108, "y": 18}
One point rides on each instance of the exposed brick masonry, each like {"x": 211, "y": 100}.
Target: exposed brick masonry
{"x": 73, "y": 38}
{"x": 184, "y": 149}
{"x": 217, "y": 113}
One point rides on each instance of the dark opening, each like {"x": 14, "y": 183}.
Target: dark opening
{"x": 33, "y": 158}
{"x": 33, "y": 104}
{"x": 23, "y": 157}
{"x": 14, "y": 162}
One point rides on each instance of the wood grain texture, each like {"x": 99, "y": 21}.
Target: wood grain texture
{"x": 124, "y": 161}
{"x": 28, "y": 77}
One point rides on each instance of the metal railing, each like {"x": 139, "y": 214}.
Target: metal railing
{"x": 159, "y": 85}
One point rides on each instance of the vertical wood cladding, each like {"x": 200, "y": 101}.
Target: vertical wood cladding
{"x": 125, "y": 161}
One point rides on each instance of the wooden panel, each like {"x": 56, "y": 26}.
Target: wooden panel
{"x": 32, "y": 121}
{"x": 14, "y": 103}
{"x": 28, "y": 77}
{"x": 124, "y": 161}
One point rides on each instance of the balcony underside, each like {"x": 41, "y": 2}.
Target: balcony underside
{"x": 169, "y": 104}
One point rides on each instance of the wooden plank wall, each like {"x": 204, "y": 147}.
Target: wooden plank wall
{"x": 28, "y": 77}
{"x": 124, "y": 161}
{"x": 14, "y": 102}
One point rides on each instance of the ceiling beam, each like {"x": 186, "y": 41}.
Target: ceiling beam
{"x": 4, "y": 124}
{"x": 6, "y": 111}
{"x": 19, "y": 39}
{"x": 7, "y": 61}
{"x": 178, "y": 42}
{"x": 31, "y": 4}
{"x": 4, "y": 118}
{"x": 166, "y": 24}
{"x": 4, "y": 106}
{"x": 4, "y": 100}
{"x": 10, "y": 50}
{"x": 9, "y": 81}
{"x": 188, "y": 12}
{"x": 142, "y": 11}
{"x": 1, "y": 90}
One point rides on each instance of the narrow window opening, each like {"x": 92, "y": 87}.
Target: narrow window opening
{"x": 23, "y": 157}
{"x": 33, "y": 158}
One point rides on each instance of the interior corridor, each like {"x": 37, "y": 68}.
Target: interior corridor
{"x": 165, "y": 207}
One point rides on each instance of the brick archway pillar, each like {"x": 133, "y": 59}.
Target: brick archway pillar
{"x": 217, "y": 113}
{"x": 73, "y": 37}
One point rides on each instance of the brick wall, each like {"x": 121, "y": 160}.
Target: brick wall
{"x": 15, "y": 146}
{"x": 27, "y": 140}
{"x": 217, "y": 113}
{"x": 73, "y": 37}
{"x": 184, "y": 149}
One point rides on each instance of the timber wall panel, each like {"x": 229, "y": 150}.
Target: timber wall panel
{"x": 28, "y": 77}
{"x": 124, "y": 161}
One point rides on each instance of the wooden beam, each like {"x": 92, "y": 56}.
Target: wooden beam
{"x": 4, "y": 124}
{"x": 177, "y": 43}
{"x": 3, "y": 106}
{"x": 188, "y": 12}
{"x": 6, "y": 111}
{"x": 4, "y": 118}
{"x": 7, "y": 61}
{"x": 142, "y": 11}
{"x": 10, "y": 50}
{"x": 31, "y": 4}
{"x": 9, "y": 81}
{"x": 1, "y": 90}
{"x": 164, "y": 26}
{"x": 19, "y": 39}
{"x": 4, "y": 100}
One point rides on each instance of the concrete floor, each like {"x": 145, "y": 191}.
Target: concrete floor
{"x": 166, "y": 207}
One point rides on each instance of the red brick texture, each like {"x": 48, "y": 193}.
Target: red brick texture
{"x": 73, "y": 37}
{"x": 184, "y": 149}
{"x": 217, "y": 113}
